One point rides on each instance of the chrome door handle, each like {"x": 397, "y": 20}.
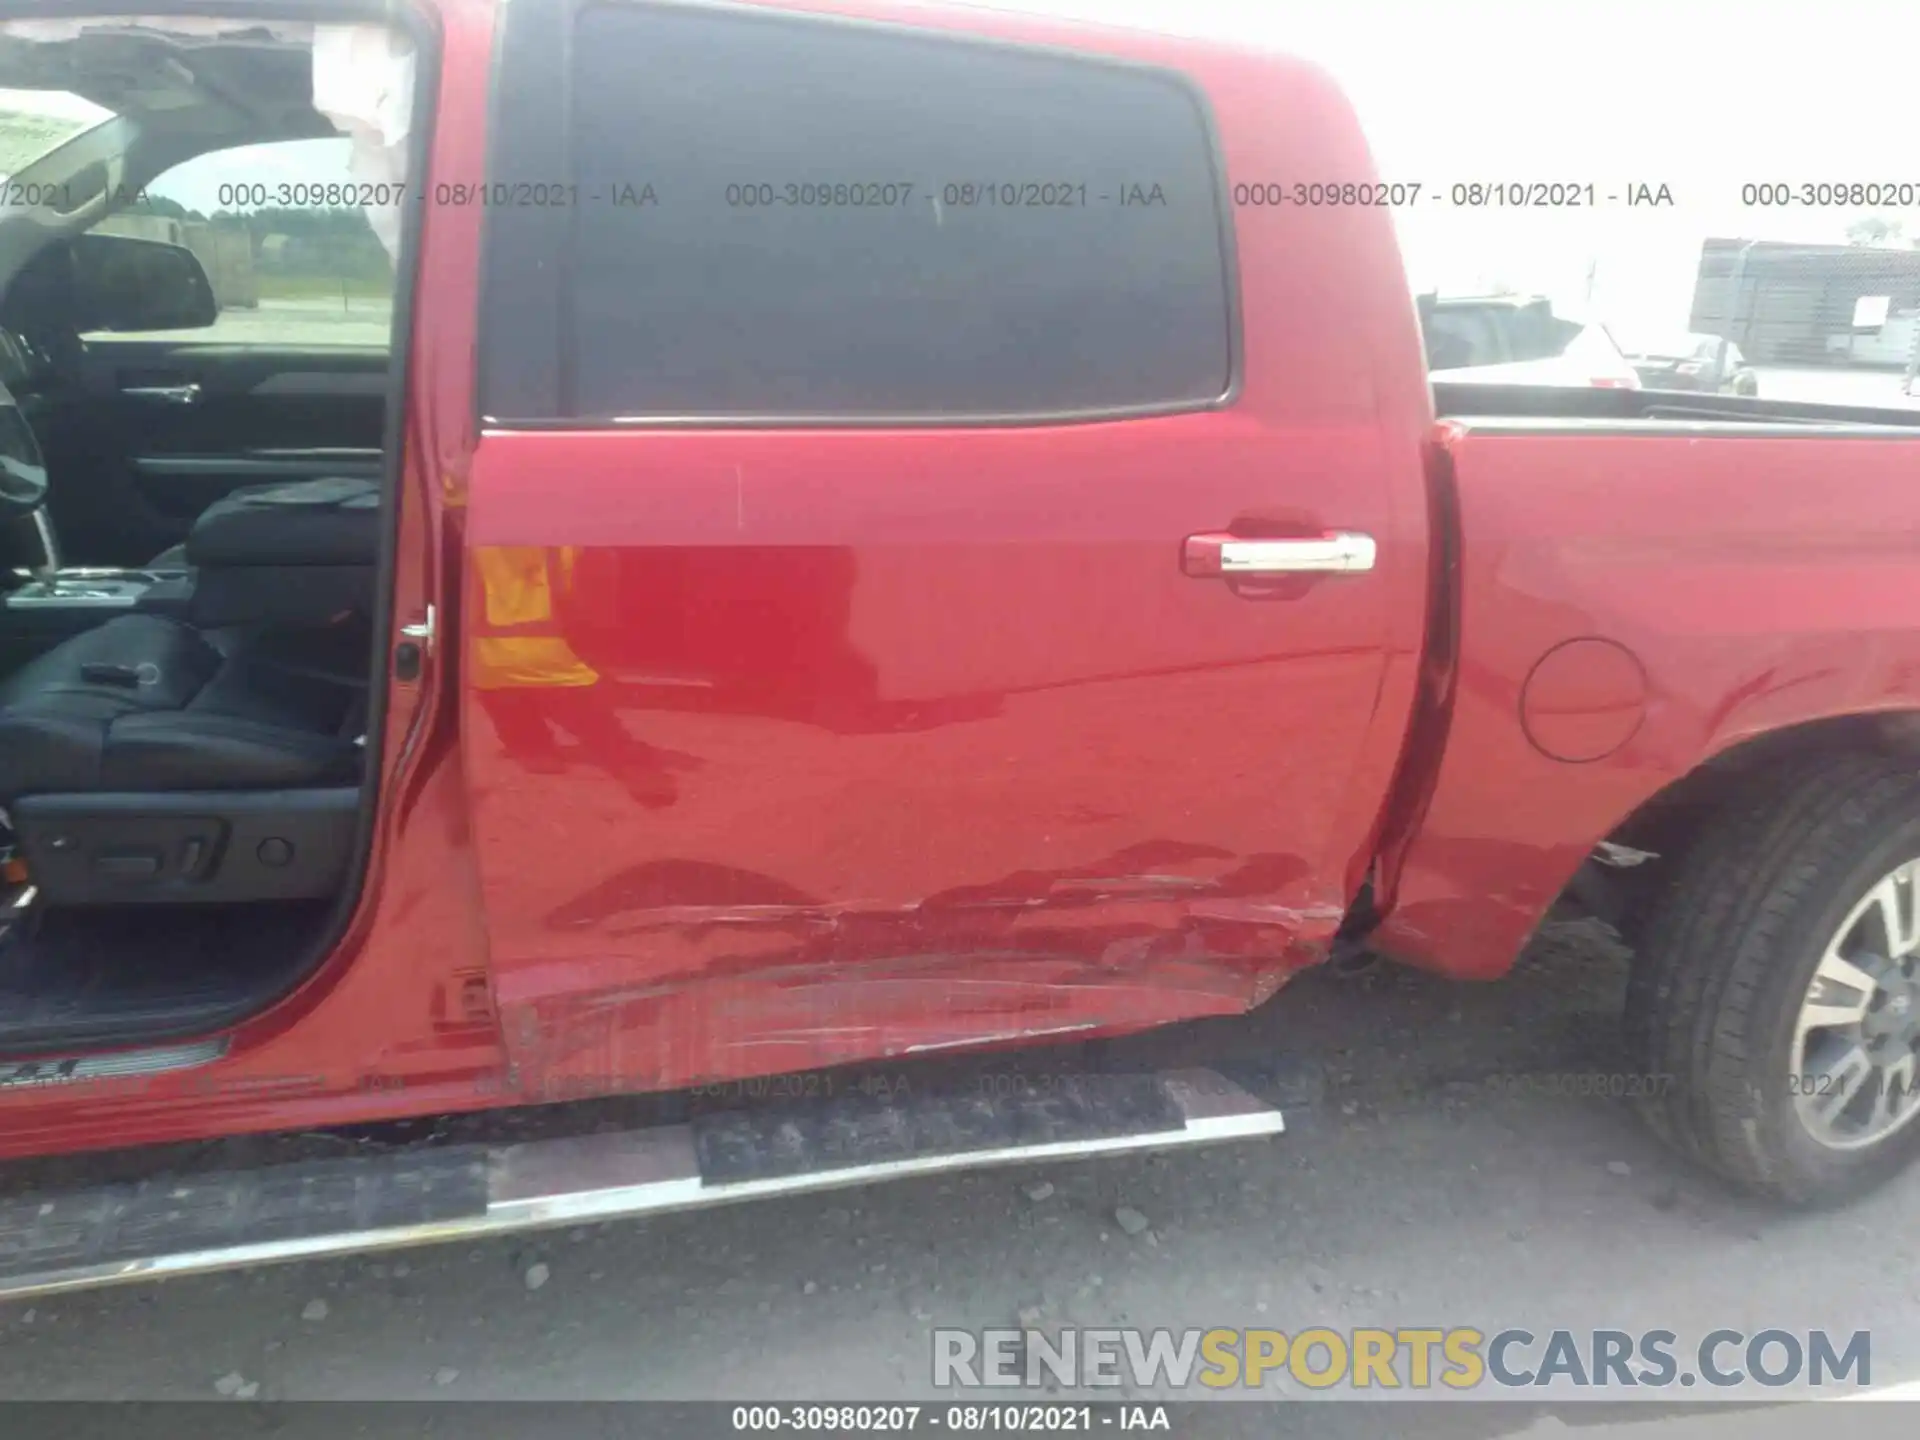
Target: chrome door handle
{"x": 1345, "y": 552}
{"x": 165, "y": 394}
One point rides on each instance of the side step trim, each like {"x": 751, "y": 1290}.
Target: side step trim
{"x": 190, "y": 1225}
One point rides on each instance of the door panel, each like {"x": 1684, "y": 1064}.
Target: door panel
{"x": 155, "y": 431}
{"x": 856, "y": 743}
{"x": 907, "y": 726}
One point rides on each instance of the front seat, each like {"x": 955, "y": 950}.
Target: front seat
{"x": 147, "y": 703}
{"x": 147, "y": 760}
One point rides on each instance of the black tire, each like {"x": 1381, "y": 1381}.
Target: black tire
{"x": 1727, "y": 956}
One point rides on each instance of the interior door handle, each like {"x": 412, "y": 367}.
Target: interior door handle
{"x": 1345, "y": 552}
{"x": 164, "y": 394}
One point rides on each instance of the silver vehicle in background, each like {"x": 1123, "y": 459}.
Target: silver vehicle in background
{"x": 1696, "y": 362}
{"x": 1519, "y": 340}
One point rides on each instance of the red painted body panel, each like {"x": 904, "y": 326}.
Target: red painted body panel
{"x": 894, "y": 740}
{"x": 375, "y": 1031}
{"x": 1761, "y": 583}
{"x": 834, "y": 745}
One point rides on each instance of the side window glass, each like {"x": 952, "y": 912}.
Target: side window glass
{"x": 773, "y": 217}
{"x": 282, "y": 231}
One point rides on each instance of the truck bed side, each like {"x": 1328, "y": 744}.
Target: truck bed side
{"x": 1637, "y": 598}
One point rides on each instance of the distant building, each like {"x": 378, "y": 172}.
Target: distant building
{"x": 1788, "y": 304}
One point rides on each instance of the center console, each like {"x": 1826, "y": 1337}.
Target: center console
{"x": 44, "y": 608}
{"x": 45, "y": 603}
{"x": 82, "y": 590}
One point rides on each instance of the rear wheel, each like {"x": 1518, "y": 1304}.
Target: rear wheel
{"x": 1776, "y": 996}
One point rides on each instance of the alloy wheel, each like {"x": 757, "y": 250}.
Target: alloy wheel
{"x": 1856, "y": 1042}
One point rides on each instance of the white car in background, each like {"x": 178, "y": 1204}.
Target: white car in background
{"x": 1519, "y": 340}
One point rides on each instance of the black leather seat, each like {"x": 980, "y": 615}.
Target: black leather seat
{"x": 299, "y": 554}
{"x": 145, "y": 703}
{"x": 323, "y": 522}
{"x": 303, "y": 522}
{"x": 157, "y": 761}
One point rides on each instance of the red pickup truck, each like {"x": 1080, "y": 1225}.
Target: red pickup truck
{"x": 863, "y": 529}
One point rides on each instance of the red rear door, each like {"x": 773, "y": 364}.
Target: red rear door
{"x": 935, "y": 577}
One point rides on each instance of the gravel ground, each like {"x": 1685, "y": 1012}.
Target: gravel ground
{"x": 1419, "y": 1184}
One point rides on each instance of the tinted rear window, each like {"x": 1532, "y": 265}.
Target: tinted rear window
{"x": 835, "y": 219}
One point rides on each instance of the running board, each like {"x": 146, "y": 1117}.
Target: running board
{"x": 154, "y": 1228}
